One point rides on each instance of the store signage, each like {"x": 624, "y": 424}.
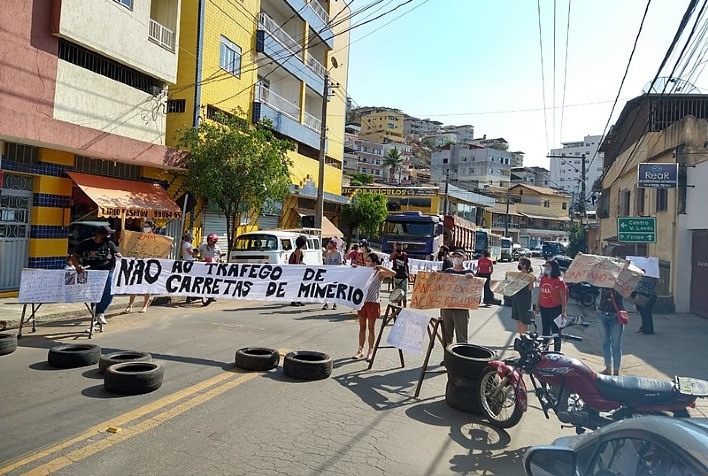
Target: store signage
{"x": 636, "y": 229}
{"x": 657, "y": 175}
{"x": 394, "y": 191}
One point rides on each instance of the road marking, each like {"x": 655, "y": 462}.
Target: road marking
{"x": 237, "y": 375}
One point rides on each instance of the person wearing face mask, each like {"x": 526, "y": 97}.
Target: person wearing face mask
{"x": 456, "y": 321}
{"x": 552, "y": 300}
{"x": 399, "y": 259}
{"x": 521, "y": 304}
{"x": 100, "y": 253}
{"x": 444, "y": 256}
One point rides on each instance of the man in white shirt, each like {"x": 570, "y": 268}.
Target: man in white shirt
{"x": 209, "y": 251}
{"x": 187, "y": 248}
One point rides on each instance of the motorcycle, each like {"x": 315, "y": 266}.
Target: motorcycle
{"x": 579, "y": 396}
{"x": 583, "y": 293}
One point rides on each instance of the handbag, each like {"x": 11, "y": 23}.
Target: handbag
{"x": 641, "y": 300}
{"x": 622, "y": 316}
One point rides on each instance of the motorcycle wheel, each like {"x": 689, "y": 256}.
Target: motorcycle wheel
{"x": 587, "y": 300}
{"x": 501, "y": 409}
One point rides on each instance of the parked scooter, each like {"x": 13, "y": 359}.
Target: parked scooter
{"x": 583, "y": 293}
{"x": 579, "y": 396}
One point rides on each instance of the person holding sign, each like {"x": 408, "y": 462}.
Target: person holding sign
{"x": 372, "y": 306}
{"x": 296, "y": 257}
{"x": 333, "y": 257}
{"x": 100, "y": 253}
{"x": 456, "y": 321}
{"x": 552, "y": 301}
{"x": 399, "y": 259}
{"x": 644, "y": 296}
{"x": 521, "y": 303}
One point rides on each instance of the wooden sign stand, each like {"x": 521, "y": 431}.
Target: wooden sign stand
{"x": 390, "y": 315}
{"x": 25, "y": 319}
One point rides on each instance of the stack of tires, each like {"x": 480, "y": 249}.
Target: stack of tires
{"x": 465, "y": 364}
{"x": 8, "y": 344}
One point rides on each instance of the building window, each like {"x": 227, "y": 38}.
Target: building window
{"x": 125, "y": 3}
{"x": 107, "y": 168}
{"x": 176, "y": 105}
{"x": 625, "y": 197}
{"x": 230, "y": 56}
{"x": 391, "y": 126}
{"x": 444, "y": 161}
{"x": 640, "y": 201}
{"x": 662, "y": 199}
{"x": 564, "y": 206}
{"x": 546, "y": 204}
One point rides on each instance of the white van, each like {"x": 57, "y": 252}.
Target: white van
{"x": 274, "y": 247}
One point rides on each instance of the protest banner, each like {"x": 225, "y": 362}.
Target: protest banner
{"x": 446, "y": 291}
{"x": 61, "y": 285}
{"x": 514, "y": 281}
{"x": 418, "y": 265}
{"x": 650, "y": 265}
{"x": 253, "y": 281}
{"x": 604, "y": 272}
{"x": 408, "y": 332}
{"x": 144, "y": 245}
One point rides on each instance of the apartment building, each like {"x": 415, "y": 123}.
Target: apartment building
{"x": 274, "y": 59}
{"x": 383, "y": 126}
{"x": 536, "y": 176}
{"x": 468, "y": 163}
{"x": 416, "y": 128}
{"x": 82, "y": 123}
{"x": 542, "y": 214}
{"x": 567, "y": 165}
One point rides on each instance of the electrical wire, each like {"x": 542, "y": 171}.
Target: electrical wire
{"x": 543, "y": 76}
{"x": 565, "y": 74}
{"x": 555, "y": 22}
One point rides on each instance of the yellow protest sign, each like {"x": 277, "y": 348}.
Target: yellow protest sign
{"x": 446, "y": 291}
{"x": 144, "y": 245}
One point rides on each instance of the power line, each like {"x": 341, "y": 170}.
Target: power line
{"x": 555, "y": 22}
{"x": 543, "y": 76}
{"x": 565, "y": 74}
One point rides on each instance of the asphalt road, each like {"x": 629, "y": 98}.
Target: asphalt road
{"x": 209, "y": 418}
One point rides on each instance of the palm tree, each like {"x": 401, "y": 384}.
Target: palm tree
{"x": 393, "y": 160}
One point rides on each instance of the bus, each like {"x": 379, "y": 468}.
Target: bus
{"x": 421, "y": 235}
{"x": 506, "y": 249}
{"x": 485, "y": 240}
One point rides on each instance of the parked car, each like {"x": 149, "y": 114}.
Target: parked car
{"x": 563, "y": 262}
{"x": 648, "y": 445}
{"x": 537, "y": 250}
{"x": 525, "y": 253}
{"x": 552, "y": 248}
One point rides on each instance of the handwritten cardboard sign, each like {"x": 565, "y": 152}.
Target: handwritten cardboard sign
{"x": 408, "y": 331}
{"x": 144, "y": 245}
{"x": 60, "y": 285}
{"x": 514, "y": 281}
{"x": 604, "y": 272}
{"x": 446, "y": 291}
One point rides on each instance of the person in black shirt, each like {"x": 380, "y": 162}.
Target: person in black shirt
{"x": 100, "y": 253}
{"x": 444, "y": 256}
{"x": 399, "y": 259}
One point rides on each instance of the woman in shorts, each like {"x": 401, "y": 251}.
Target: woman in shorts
{"x": 371, "y": 310}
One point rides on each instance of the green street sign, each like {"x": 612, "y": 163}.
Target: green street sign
{"x": 636, "y": 229}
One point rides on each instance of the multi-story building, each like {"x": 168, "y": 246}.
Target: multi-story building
{"x": 499, "y": 143}
{"x": 416, "y": 128}
{"x": 517, "y": 159}
{"x": 274, "y": 59}
{"x": 383, "y": 126}
{"x": 543, "y": 214}
{"x": 567, "y": 165}
{"x": 82, "y": 123}
{"x": 441, "y": 139}
{"x": 464, "y": 134}
{"x": 468, "y": 163}
{"x": 536, "y": 176}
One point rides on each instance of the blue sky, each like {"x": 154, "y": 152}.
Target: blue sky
{"x": 463, "y": 61}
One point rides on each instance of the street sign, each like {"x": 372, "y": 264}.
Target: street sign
{"x": 657, "y": 175}
{"x": 636, "y": 229}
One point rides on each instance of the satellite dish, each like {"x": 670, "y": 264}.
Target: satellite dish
{"x": 668, "y": 85}
{"x": 396, "y": 296}
{"x": 335, "y": 63}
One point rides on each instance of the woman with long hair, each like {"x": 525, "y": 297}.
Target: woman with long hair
{"x": 552, "y": 300}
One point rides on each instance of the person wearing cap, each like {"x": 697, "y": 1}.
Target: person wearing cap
{"x": 456, "y": 321}
{"x": 99, "y": 253}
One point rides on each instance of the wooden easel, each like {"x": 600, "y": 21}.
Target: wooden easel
{"x": 390, "y": 315}
{"x": 25, "y": 319}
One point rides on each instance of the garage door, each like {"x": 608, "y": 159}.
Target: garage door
{"x": 213, "y": 222}
{"x": 699, "y": 273}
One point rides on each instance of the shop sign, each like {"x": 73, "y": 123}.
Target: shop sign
{"x": 394, "y": 191}
{"x": 138, "y": 213}
{"x": 657, "y": 175}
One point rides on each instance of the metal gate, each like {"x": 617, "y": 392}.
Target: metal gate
{"x": 214, "y": 222}
{"x": 15, "y": 208}
{"x": 699, "y": 273}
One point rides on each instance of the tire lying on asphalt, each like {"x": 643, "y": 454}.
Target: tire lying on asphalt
{"x": 467, "y": 360}
{"x": 133, "y": 378}
{"x": 8, "y": 343}
{"x": 71, "y": 356}
{"x": 463, "y": 399}
{"x": 307, "y": 365}
{"x": 113, "y": 358}
{"x": 257, "y": 358}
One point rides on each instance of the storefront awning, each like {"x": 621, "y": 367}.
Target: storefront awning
{"x": 328, "y": 228}
{"x": 541, "y": 217}
{"x": 116, "y": 197}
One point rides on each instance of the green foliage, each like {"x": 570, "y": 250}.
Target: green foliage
{"x": 362, "y": 178}
{"x": 393, "y": 160}
{"x": 365, "y": 213}
{"x": 239, "y": 166}
{"x": 578, "y": 240}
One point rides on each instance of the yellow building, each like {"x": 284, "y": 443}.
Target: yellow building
{"x": 404, "y": 199}
{"x": 538, "y": 214}
{"x": 382, "y": 126}
{"x": 268, "y": 58}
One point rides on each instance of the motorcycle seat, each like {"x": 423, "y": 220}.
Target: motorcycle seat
{"x": 647, "y": 391}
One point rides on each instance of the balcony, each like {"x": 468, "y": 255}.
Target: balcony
{"x": 315, "y": 15}
{"x": 162, "y": 35}
{"x": 275, "y": 43}
{"x": 313, "y": 123}
{"x": 285, "y": 117}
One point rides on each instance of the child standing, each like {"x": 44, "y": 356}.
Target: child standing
{"x": 372, "y": 306}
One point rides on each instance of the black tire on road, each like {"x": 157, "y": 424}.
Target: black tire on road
{"x": 467, "y": 360}
{"x": 133, "y": 378}
{"x": 502, "y": 411}
{"x": 307, "y": 365}
{"x": 463, "y": 399}
{"x": 8, "y": 343}
{"x": 257, "y": 358}
{"x": 72, "y": 356}
{"x": 123, "y": 356}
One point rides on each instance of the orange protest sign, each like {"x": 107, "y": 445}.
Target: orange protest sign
{"x": 446, "y": 291}
{"x": 135, "y": 244}
{"x": 604, "y": 272}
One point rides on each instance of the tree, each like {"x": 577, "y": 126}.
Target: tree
{"x": 578, "y": 239}
{"x": 393, "y": 160}
{"x": 361, "y": 178}
{"x": 239, "y": 166}
{"x": 365, "y": 213}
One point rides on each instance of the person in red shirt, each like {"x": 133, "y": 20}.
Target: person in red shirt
{"x": 485, "y": 268}
{"x": 552, "y": 300}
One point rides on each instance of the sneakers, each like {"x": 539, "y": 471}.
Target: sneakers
{"x": 359, "y": 354}
{"x": 101, "y": 318}
{"x": 325, "y": 307}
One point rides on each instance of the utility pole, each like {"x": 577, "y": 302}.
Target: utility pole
{"x": 582, "y": 191}
{"x": 506, "y": 226}
{"x": 447, "y": 198}
{"x": 319, "y": 212}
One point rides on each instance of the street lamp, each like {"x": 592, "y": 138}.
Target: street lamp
{"x": 319, "y": 212}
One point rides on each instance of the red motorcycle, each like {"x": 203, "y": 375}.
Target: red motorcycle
{"x": 579, "y": 396}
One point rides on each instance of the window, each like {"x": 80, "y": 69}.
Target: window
{"x": 624, "y": 199}
{"x": 444, "y": 161}
{"x": 632, "y": 456}
{"x": 564, "y": 206}
{"x": 662, "y": 199}
{"x": 176, "y": 105}
{"x": 230, "y": 56}
{"x": 125, "y": 3}
{"x": 640, "y": 201}
{"x": 546, "y": 204}
{"x": 391, "y": 126}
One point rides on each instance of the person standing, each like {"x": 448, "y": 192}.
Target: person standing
{"x": 188, "y": 252}
{"x": 210, "y": 251}
{"x": 371, "y": 310}
{"x": 297, "y": 257}
{"x": 98, "y": 253}
{"x": 610, "y": 329}
{"x": 644, "y": 296}
{"x": 521, "y": 302}
{"x": 333, "y": 257}
{"x": 399, "y": 260}
{"x": 351, "y": 256}
{"x": 552, "y": 301}
{"x": 456, "y": 321}
{"x": 485, "y": 268}
{"x": 148, "y": 227}
{"x": 444, "y": 256}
